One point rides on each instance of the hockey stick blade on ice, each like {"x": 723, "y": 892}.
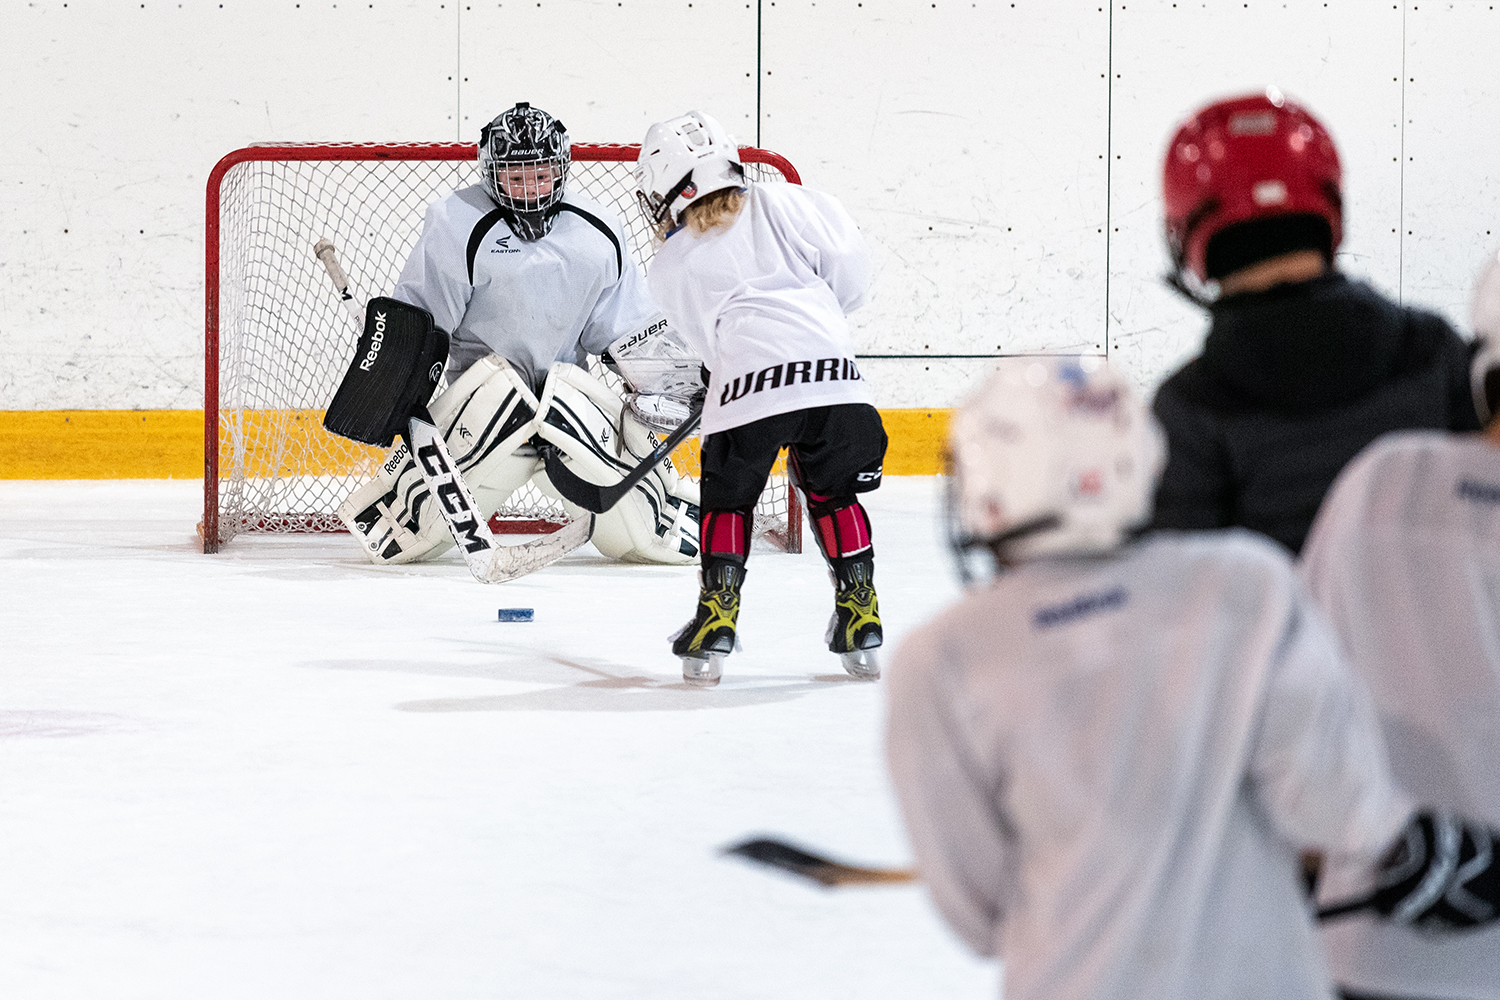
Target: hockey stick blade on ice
{"x": 825, "y": 871}
{"x": 596, "y": 498}
{"x": 487, "y": 559}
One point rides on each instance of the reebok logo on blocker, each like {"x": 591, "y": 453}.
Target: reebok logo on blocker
{"x": 375, "y": 344}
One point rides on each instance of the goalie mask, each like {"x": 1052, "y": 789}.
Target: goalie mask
{"x": 523, "y": 157}
{"x": 682, "y": 160}
{"x": 1051, "y": 456}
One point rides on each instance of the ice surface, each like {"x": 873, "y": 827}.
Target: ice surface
{"x": 282, "y": 772}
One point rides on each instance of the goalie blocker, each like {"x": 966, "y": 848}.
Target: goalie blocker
{"x": 396, "y": 367}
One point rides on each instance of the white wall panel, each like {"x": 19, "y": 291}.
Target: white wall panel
{"x": 605, "y": 68}
{"x": 1450, "y": 198}
{"x": 115, "y": 114}
{"x": 1341, "y": 59}
{"x": 967, "y": 139}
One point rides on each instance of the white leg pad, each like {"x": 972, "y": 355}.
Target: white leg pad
{"x": 487, "y": 417}
{"x": 658, "y": 521}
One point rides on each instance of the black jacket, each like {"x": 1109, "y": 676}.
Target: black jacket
{"x": 1293, "y": 383}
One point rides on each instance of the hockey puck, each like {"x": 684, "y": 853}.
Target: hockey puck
{"x": 515, "y": 614}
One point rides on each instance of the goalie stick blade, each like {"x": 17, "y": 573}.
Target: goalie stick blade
{"x": 826, "y": 872}
{"x": 487, "y": 559}
{"x": 598, "y": 499}
{"x": 510, "y": 562}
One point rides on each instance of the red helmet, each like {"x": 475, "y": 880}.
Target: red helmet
{"x": 1244, "y": 159}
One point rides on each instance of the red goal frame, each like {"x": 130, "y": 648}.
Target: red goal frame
{"x": 454, "y": 151}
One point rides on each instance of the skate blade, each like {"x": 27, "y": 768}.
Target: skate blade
{"x": 703, "y": 672}
{"x": 861, "y": 664}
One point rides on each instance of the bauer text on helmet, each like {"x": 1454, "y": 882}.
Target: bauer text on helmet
{"x": 1053, "y": 456}
{"x": 524, "y": 155}
{"x": 1248, "y": 179}
{"x": 681, "y": 160}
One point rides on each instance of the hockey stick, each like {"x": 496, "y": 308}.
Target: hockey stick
{"x": 596, "y": 498}
{"x": 487, "y": 559}
{"x": 825, "y": 871}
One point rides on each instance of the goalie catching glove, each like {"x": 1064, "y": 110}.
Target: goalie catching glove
{"x": 665, "y": 377}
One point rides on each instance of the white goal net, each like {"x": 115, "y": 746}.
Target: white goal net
{"x": 277, "y": 341}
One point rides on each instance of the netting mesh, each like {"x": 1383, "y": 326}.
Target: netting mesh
{"x": 284, "y": 341}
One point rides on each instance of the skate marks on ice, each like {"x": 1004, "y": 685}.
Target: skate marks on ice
{"x": 30, "y": 724}
{"x": 581, "y": 684}
{"x": 608, "y": 687}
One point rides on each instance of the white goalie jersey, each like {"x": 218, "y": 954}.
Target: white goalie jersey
{"x": 570, "y": 294}
{"x": 1405, "y": 558}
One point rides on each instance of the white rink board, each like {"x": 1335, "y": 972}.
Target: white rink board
{"x": 969, "y": 139}
{"x": 984, "y": 214}
{"x": 1450, "y": 198}
{"x": 1342, "y": 59}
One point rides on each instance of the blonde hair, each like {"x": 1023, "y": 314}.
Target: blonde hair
{"x": 715, "y": 210}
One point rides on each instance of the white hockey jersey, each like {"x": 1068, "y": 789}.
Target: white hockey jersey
{"x": 1405, "y": 558}
{"x": 763, "y": 304}
{"x": 1108, "y": 768}
{"x": 563, "y": 297}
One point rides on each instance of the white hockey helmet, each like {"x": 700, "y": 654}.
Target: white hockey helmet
{"x": 681, "y": 160}
{"x": 1051, "y": 456}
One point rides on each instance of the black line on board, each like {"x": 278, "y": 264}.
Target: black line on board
{"x": 758, "y": 73}
{"x": 1401, "y": 177}
{"x": 1109, "y": 162}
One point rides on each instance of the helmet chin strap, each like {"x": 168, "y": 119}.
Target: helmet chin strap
{"x": 1192, "y": 292}
{"x": 997, "y": 544}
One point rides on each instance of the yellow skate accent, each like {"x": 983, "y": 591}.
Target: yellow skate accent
{"x": 717, "y": 611}
{"x": 858, "y": 613}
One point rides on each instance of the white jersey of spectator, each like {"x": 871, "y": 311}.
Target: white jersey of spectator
{"x": 1109, "y": 765}
{"x": 567, "y": 295}
{"x": 763, "y": 303}
{"x": 1405, "y": 558}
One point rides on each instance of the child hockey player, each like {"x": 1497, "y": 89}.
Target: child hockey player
{"x": 1109, "y": 757}
{"x": 1405, "y": 559}
{"x": 757, "y": 280}
{"x": 1302, "y": 366}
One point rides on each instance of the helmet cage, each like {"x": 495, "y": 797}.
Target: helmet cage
{"x": 524, "y": 155}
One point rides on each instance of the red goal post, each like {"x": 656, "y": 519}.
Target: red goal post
{"x": 276, "y": 341}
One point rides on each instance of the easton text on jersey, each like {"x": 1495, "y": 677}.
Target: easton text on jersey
{"x": 1478, "y": 492}
{"x": 1083, "y": 604}
{"x": 776, "y": 376}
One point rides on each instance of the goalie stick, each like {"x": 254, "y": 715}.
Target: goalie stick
{"x": 487, "y": 559}
{"x": 596, "y": 498}
{"x": 831, "y": 874}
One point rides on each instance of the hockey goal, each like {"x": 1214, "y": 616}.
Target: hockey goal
{"x": 277, "y": 342}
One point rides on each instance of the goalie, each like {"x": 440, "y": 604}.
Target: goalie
{"x": 529, "y": 280}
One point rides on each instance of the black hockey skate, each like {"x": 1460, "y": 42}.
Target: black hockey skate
{"x": 854, "y": 632}
{"x": 704, "y": 642}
